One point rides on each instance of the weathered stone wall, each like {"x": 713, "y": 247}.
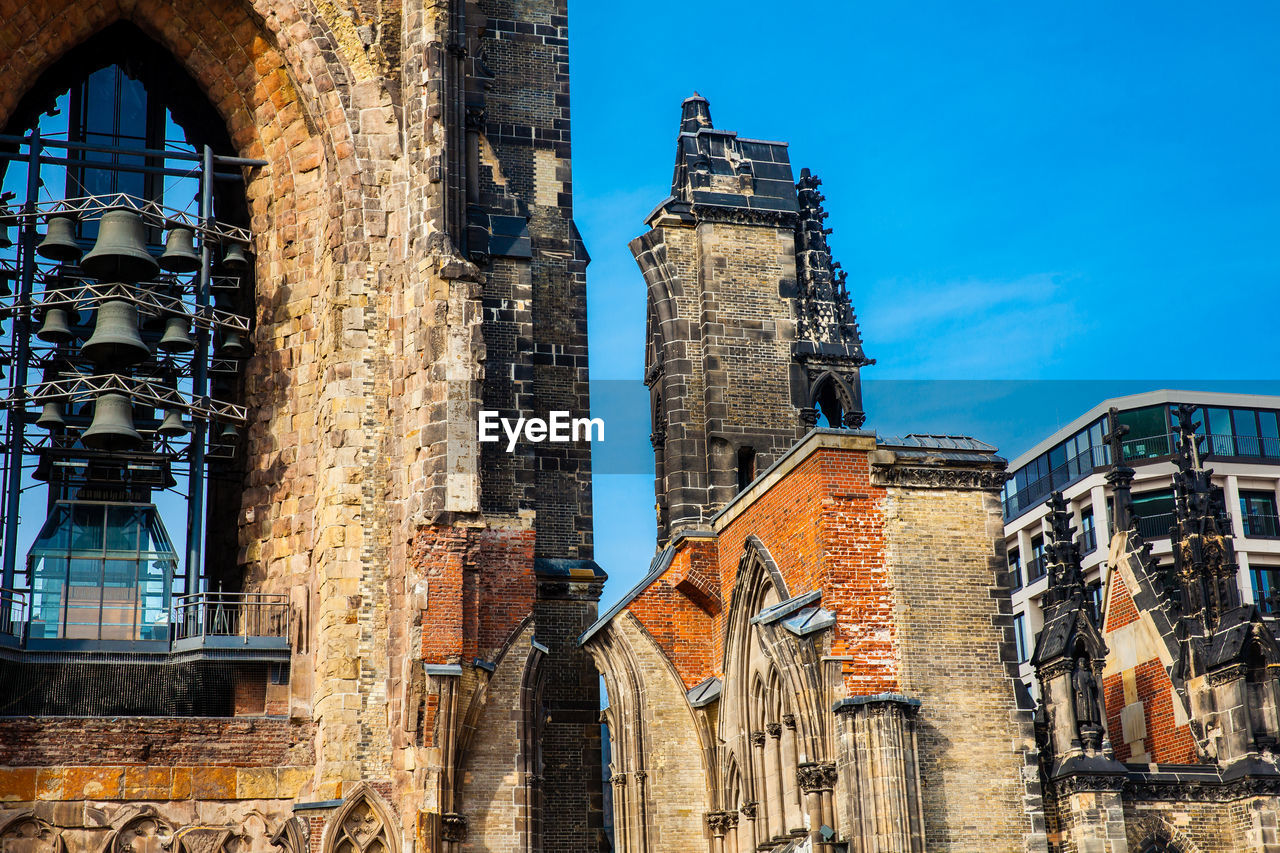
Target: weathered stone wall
{"x": 363, "y": 498}
{"x": 954, "y": 647}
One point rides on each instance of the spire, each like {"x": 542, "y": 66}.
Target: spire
{"x": 826, "y": 312}
{"x": 1066, "y": 577}
{"x": 1203, "y": 549}
{"x": 1121, "y": 475}
{"x": 695, "y": 113}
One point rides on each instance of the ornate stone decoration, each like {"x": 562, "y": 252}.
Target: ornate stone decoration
{"x": 748, "y": 810}
{"x": 453, "y": 827}
{"x": 789, "y": 720}
{"x": 757, "y": 738}
{"x": 937, "y": 478}
{"x": 293, "y": 836}
{"x": 721, "y": 822}
{"x": 146, "y": 833}
{"x": 361, "y": 825}
{"x": 28, "y": 834}
{"x": 774, "y": 729}
{"x": 204, "y": 839}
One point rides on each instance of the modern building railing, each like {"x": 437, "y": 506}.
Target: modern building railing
{"x": 1136, "y": 450}
{"x": 1036, "y": 568}
{"x": 1260, "y": 525}
{"x": 1088, "y": 540}
{"x": 245, "y": 616}
{"x": 1155, "y": 526}
{"x": 13, "y": 615}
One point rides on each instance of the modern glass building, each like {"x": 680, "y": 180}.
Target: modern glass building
{"x": 1242, "y": 446}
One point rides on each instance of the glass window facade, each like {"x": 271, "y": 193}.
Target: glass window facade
{"x": 1020, "y": 637}
{"x": 1037, "y": 567}
{"x": 1266, "y": 587}
{"x": 1015, "y": 568}
{"x": 1250, "y": 433}
{"x": 1088, "y": 534}
{"x": 1258, "y": 512}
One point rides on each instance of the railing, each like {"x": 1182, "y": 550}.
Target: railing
{"x": 1258, "y": 525}
{"x": 246, "y": 615}
{"x": 1088, "y": 540}
{"x": 1135, "y": 450}
{"x": 1036, "y": 568}
{"x": 13, "y": 615}
{"x": 1155, "y": 526}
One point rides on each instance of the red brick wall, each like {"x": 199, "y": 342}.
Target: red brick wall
{"x": 1120, "y": 609}
{"x": 481, "y": 586}
{"x": 155, "y": 741}
{"x": 824, "y": 525}
{"x": 1165, "y": 741}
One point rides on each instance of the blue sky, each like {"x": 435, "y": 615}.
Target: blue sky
{"x": 1018, "y": 192}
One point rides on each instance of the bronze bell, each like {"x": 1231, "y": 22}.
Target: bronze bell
{"x": 232, "y": 345}
{"x": 235, "y": 260}
{"x": 180, "y": 253}
{"x": 112, "y": 427}
{"x": 229, "y": 434}
{"x": 121, "y": 249}
{"x": 55, "y": 329}
{"x": 51, "y": 416}
{"x": 59, "y": 243}
{"x": 177, "y": 336}
{"x": 115, "y": 340}
{"x": 172, "y": 425}
{"x": 5, "y": 242}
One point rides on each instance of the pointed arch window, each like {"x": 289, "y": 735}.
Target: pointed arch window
{"x": 135, "y": 369}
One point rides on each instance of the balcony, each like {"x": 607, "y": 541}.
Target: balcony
{"x": 252, "y": 623}
{"x": 1088, "y": 540}
{"x": 13, "y": 618}
{"x": 1261, "y": 526}
{"x": 231, "y": 620}
{"x": 1036, "y": 568}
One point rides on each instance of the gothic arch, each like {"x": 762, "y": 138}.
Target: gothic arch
{"x": 26, "y": 833}
{"x": 364, "y": 823}
{"x": 830, "y": 391}
{"x": 145, "y": 832}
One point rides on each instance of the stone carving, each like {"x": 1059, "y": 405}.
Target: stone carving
{"x": 453, "y": 827}
{"x": 789, "y": 720}
{"x": 937, "y": 478}
{"x": 28, "y": 834}
{"x": 293, "y": 836}
{"x": 1085, "y": 695}
{"x": 748, "y": 810}
{"x": 146, "y": 833}
{"x": 757, "y": 738}
{"x": 361, "y": 825}
{"x": 814, "y": 778}
{"x": 774, "y": 729}
{"x": 204, "y": 839}
{"x": 721, "y": 822}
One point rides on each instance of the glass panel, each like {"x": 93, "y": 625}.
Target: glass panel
{"x": 124, "y": 524}
{"x": 86, "y": 527}
{"x": 1245, "y": 423}
{"x": 1144, "y": 422}
{"x": 1220, "y": 443}
{"x": 1270, "y": 430}
{"x": 1266, "y": 587}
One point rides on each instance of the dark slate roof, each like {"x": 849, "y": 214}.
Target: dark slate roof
{"x": 935, "y": 442}
{"x": 717, "y": 168}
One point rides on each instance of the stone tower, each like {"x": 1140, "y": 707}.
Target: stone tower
{"x": 402, "y": 171}
{"x": 752, "y": 335}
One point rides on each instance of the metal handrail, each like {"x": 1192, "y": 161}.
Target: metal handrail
{"x": 89, "y": 294}
{"x": 231, "y": 614}
{"x": 13, "y": 613}
{"x": 1261, "y": 525}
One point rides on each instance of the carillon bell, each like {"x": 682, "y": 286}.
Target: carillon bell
{"x": 112, "y": 426}
{"x": 235, "y": 260}
{"x": 172, "y": 425}
{"x": 229, "y": 434}
{"x": 5, "y": 242}
{"x": 180, "y": 255}
{"x": 121, "y": 249}
{"x": 232, "y": 345}
{"x": 55, "y": 329}
{"x": 51, "y": 416}
{"x": 177, "y": 336}
{"x": 59, "y": 243}
{"x": 115, "y": 340}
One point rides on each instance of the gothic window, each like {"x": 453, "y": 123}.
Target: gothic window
{"x": 362, "y": 825}
{"x": 27, "y": 833}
